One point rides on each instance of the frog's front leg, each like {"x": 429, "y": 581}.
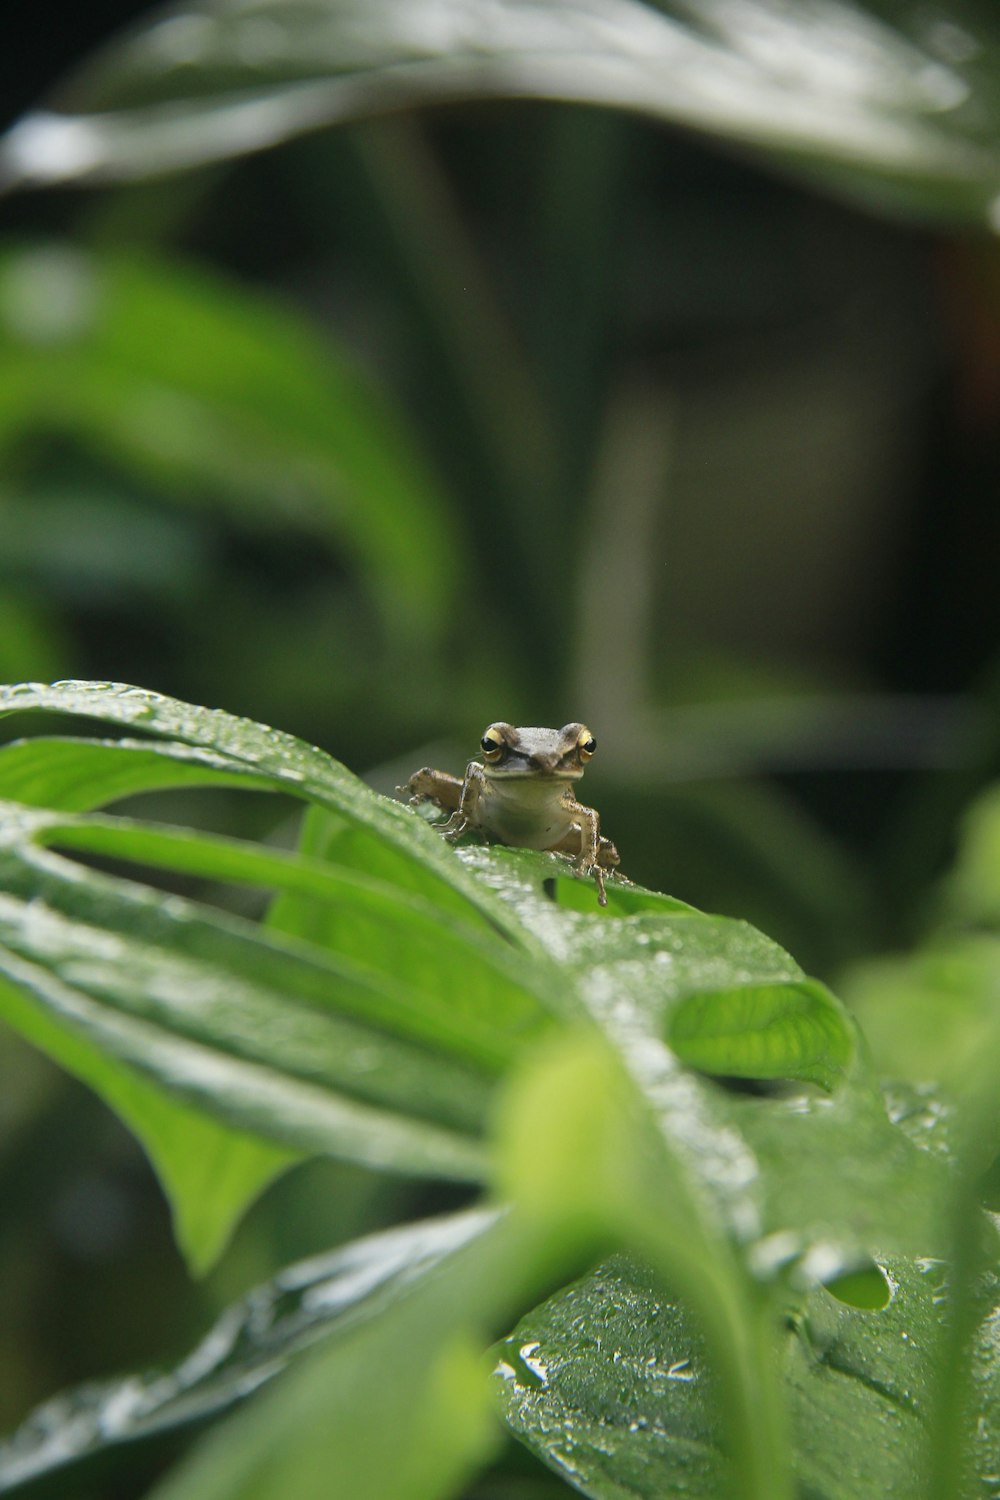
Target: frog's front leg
{"x": 588, "y": 861}
{"x": 428, "y": 785}
{"x": 466, "y": 815}
{"x": 460, "y": 798}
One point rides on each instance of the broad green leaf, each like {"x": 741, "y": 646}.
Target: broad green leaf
{"x": 400, "y": 1406}
{"x": 210, "y": 1169}
{"x": 609, "y": 1382}
{"x": 211, "y": 391}
{"x": 216, "y": 1140}
{"x": 286, "y": 1040}
{"x": 78, "y": 775}
{"x": 892, "y": 105}
{"x": 764, "y": 1031}
{"x": 581, "y": 1146}
{"x": 397, "y": 841}
{"x": 761, "y": 1165}
{"x": 220, "y": 1143}
{"x": 442, "y": 983}
{"x": 250, "y": 1343}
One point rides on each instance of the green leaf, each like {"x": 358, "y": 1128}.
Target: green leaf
{"x": 931, "y": 1017}
{"x": 106, "y": 982}
{"x": 972, "y": 891}
{"x": 399, "y": 1406}
{"x": 907, "y": 116}
{"x": 250, "y": 1343}
{"x": 393, "y": 840}
{"x": 210, "y": 1169}
{"x": 303, "y": 1047}
{"x": 77, "y": 775}
{"x": 764, "y": 1031}
{"x": 609, "y": 1383}
{"x": 210, "y": 391}
{"x": 582, "y": 1146}
{"x": 760, "y": 1166}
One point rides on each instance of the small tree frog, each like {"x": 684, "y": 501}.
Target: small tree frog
{"x": 523, "y": 795}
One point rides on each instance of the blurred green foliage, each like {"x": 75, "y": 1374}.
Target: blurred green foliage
{"x": 679, "y": 416}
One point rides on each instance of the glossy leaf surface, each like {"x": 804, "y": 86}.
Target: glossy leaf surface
{"x": 609, "y": 1384}
{"x": 888, "y": 103}
{"x": 470, "y": 1014}
{"x": 250, "y": 1343}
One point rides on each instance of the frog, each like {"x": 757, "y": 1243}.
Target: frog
{"x": 521, "y": 794}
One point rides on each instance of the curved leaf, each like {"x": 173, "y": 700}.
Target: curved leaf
{"x": 269, "y": 759}
{"x": 212, "y": 390}
{"x": 881, "y": 101}
{"x": 794, "y": 1030}
{"x": 251, "y": 1342}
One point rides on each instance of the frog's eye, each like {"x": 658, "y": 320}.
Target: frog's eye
{"x": 492, "y": 744}
{"x": 586, "y": 744}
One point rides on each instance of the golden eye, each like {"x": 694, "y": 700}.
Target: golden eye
{"x": 586, "y": 744}
{"x": 492, "y": 744}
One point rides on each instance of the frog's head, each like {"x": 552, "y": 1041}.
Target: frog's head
{"x": 561, "y": 754}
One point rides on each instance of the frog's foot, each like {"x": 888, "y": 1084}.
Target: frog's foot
{"x": 454, "y": 828}
{"x": 594, "y": 870}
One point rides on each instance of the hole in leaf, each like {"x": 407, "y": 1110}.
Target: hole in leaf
{"x": 549, "y": 887}
{"x": 247, "y": 900}
{"x": 244, "y": 817}
{"x": 866, "y": 1288}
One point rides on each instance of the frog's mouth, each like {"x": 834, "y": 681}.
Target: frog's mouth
{"x": 520, "y": 769}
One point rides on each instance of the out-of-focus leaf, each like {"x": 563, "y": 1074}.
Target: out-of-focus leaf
{"x": 927, "y": 1016}
{"x": 972, "y": 892}
{"x": 252, "y": 1341}
{"x": 397, "y": 1406}
{"x": 29, "y": 637}
{"x": 209, "y": 390}
{"x": 893, "y": 104}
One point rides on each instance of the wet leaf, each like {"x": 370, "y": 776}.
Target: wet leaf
{"x": 90, "y": 981}
{"x": 893, "y": 105}
{"x": 397, "y": 984}
{"x": 251, "y": 1342}
{"x": 269, "y": 759}
{"x": 608, "y": 1382}
{"x": 761, "y": 1164}
{"x": 413, "y": 1373}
